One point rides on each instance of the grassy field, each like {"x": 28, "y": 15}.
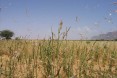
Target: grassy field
{"x": 58, "y": 59}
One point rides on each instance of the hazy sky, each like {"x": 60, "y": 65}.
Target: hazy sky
{"x": 35, "y": 18}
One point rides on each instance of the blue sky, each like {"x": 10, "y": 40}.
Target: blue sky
{"x": 35, "y": 18}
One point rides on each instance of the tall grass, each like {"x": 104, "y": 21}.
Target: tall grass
{"x": 58, "y": 58}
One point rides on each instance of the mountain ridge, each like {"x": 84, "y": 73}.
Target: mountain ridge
{"x": 108, "y": 36}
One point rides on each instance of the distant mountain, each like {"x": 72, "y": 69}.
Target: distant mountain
{"x": 107, "y": 36}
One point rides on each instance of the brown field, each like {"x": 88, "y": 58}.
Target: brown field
{"x": 58, "y": 59}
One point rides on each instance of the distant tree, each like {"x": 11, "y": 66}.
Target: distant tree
{"x": 115, "y": 39}
{"x": 0, "y": 35}
{"x": 102, "y": 40}
{"x": 17, "y": 38}
{"x": 7, "y": 34}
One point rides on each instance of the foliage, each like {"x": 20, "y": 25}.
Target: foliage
{"x": 115, "y": 39}
{"x": 7, "y": 34}
{"x": 17, "y": 38}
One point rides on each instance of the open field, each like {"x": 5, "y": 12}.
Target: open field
{"x": 58, "y": 59}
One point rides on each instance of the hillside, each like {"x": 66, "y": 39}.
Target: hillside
{"x": 107, "y": 36}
